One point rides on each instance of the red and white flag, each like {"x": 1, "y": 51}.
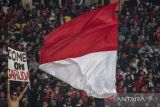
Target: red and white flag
{"x": 83, "y": 52}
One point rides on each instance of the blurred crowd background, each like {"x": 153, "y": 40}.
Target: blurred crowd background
{"x": 22, "y": 27}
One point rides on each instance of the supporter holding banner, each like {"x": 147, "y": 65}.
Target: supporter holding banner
{"x": 17, "y": 66}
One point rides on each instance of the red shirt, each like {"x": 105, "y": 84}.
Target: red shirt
{"x": 84, "y": 96}
{"x": 72, "y": 95}
{"x": 138, "y": 84}
{"x": 157, "y": 34}
{"x": 44, "y": 14}
{"x": 27, "y": 28}
{"x": 138, "y": 45}
{"x": 58, "y": 96}
{"x": 120, "y": 89}
{"x": 119, "y": 77}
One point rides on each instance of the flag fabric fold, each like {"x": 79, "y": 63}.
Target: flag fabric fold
{"x": 83, "y": 52}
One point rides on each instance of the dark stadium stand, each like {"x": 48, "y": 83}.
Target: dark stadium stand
{"x": 138, "y": 65}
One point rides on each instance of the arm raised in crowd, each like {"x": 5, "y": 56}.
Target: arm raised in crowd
{"x": 22, "y": 93}
{"x": 8, "y": 90}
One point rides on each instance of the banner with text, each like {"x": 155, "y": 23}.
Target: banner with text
{"x": 17, "y": 66}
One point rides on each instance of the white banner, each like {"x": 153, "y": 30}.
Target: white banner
{"x": 17, "y": 66}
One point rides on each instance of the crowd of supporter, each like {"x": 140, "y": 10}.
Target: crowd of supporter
{"x": 23, "y": 29}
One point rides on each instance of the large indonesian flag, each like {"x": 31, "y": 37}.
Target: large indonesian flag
{"x": 83, "y": 52}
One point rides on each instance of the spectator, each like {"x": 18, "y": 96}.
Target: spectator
{"x": 3, "y": 100}
{"x": 44, "y": 104}
{"x": 14, "y": 98}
